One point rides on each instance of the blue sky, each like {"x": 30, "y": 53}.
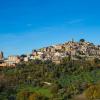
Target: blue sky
{"x": 31, "y": 24}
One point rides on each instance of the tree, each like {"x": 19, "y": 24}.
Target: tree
{"x": 33, "y": 96}
{"x": 97, "y": 61}
{"x": 93, "y": 92}
{"x": 82, "y": 40}
{"x": 23, "y": 95}
{"x": 54, "y": 89}
{"x": 36, "y": 96}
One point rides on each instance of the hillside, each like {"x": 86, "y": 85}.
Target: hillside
{"x": 45, "y": 80}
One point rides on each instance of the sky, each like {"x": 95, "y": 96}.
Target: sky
{"x": 31, "y": 24}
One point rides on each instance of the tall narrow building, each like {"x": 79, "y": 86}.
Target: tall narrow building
{"x": 1, "y": 55}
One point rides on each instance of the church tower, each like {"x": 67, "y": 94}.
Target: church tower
{"x": 1, "y": 55}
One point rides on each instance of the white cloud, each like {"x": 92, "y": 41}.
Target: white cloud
{"x": 75, "y": 21}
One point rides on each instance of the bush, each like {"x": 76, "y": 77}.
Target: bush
{"x": 23, "y": 95}
{"x": 36, "y": 96}
{"x": 93, "y": 92}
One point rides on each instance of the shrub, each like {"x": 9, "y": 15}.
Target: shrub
{"x": 93, "y": 92}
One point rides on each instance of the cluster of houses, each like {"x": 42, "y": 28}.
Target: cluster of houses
{"x": 73, "y": 49}
{"x": 55, "y": 53}
{"x": 11, "y": 61}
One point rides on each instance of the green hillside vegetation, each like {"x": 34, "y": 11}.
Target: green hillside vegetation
{"x": 37, "y": 80}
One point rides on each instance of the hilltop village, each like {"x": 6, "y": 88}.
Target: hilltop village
{"x": 75, "y": 50}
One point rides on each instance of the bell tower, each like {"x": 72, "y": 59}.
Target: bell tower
{"x": 1, "y": 55}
